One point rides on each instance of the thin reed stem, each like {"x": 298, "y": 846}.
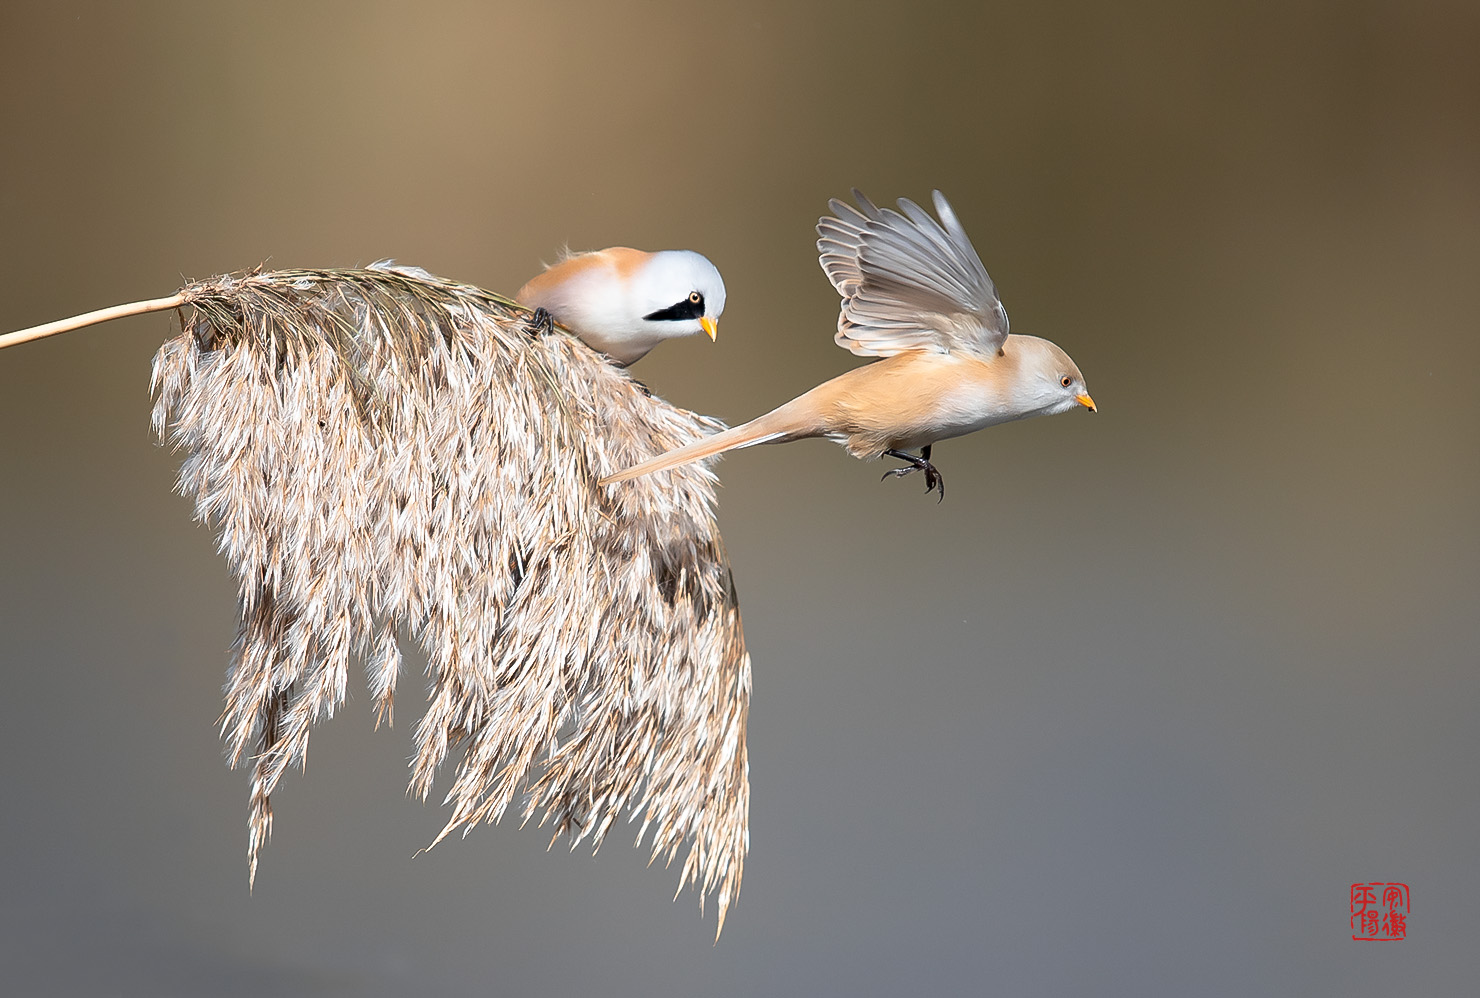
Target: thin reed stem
{"x": 91, "y": 319}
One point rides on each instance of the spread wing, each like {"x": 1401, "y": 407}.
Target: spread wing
{"x": 908, "y": 282}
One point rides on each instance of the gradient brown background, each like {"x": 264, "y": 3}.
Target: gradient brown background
{"x": 1127, "y": 714}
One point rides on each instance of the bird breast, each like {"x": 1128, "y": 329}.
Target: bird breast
{"x": 913, "y": 399}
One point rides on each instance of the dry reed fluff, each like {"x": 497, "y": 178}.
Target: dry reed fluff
{"x": 381, "y": 451}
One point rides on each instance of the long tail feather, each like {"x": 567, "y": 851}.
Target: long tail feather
{"x": 757, "y": 431}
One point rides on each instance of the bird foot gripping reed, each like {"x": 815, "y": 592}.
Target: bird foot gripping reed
{"x": 384, "y": 454}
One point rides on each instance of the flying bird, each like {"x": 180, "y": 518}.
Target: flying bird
{"x": 623, "y": 302}
{"x": 914, "y": 293}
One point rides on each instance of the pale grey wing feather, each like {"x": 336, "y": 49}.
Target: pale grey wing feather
{"x": 837, "y": 245}
{"x": 907, "y": 281}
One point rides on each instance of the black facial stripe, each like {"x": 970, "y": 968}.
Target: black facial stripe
{"x": 686, "y": 309}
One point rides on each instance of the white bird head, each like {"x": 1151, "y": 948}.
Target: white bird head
{"x": 623, "y": 302}
{"x": 1048, "y": 382}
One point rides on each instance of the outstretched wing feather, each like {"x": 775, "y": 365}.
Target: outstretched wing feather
{"x": 908, "y": 282}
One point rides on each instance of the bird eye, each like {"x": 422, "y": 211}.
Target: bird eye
{"x": 695, "y": 297}
{"x": 1066, "y": 381}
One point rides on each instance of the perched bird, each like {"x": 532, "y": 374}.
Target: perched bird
{"x": 623, "y": 302}
{"x": 916, "y": 294}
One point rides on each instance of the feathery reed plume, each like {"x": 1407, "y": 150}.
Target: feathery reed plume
{"x": 384, "y": 452}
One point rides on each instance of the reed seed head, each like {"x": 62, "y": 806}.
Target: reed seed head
{"x": 384, "y": 454}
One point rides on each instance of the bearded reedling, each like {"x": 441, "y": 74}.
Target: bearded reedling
{"x": 623, "y": 302}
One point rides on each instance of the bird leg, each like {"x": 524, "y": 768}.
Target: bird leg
{"x": 933, "y": 478}
{"x": 540, "y": 322}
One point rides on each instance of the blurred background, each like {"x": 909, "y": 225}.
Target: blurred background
{"x": 1127, "y": 714}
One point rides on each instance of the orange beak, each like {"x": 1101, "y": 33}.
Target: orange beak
{"x": 710, "y": 326}
{"x": 1087, "y": 402}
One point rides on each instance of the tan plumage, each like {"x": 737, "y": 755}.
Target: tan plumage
{"x": 916, "y": 294}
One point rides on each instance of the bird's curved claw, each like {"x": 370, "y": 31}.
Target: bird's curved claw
{"x": 934, "y": 480}
{"x": 540, "y": 322}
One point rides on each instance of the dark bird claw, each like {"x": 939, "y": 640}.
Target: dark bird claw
{"x": 540, "y": 322}
{"x": 934, "y": 481}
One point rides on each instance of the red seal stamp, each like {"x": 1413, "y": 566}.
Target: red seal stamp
{"x": 1379, "y": 912}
